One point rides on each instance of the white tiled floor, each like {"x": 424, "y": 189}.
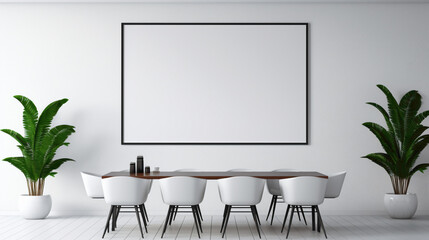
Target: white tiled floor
{"x": 240, "y": 226}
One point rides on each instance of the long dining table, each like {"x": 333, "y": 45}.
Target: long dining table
{"x": 214, "y": 175}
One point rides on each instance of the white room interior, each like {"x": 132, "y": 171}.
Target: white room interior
{"x": 50, "y": 51}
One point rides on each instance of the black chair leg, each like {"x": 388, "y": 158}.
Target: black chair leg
{"x": 143, "y": 217}
{"x": 255, "y": 218}
{"x": 176, "y": 209}
{"x": 108, "y": 220}
{"x": 297, "y": 212}
{"x": 195, "y": 208}
{"x": 169, "y": 214}
{"x": 226, "y": 221}
{"x": 257, "y": 215}
{"x": 318, "y": 219}
{"x": 199, "y": 212}
{"x": 225, "y": 211}
{"x": 271, "y": 206}
{"x": 115, "y": 221}
{"x": 313, "y": 223}
{"x": 303, "y": 216}
{"x": 290, "y": 221}
{"x": 113, "y": 217}
{"x": 321, "y": 221}
{"x": 138, "y": 219}
{"x": 196, "y": 219}
{"x": 145, "y": 213}
{"x": 284, "y": 221}
{"x": 274, "y": 209}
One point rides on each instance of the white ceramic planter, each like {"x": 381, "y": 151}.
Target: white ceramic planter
{"x": 35, "y": 207}
{"x": 401, "y": 206}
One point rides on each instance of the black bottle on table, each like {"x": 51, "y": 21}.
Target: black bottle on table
{"x": 140, "y": 164}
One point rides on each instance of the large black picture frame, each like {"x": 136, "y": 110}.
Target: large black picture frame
{"x": 123, "y": 140}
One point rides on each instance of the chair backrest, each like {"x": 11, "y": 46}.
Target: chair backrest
{"x": 241, "y": 170}
{"x": 304, "y": 190}
{"x": 241, "y": 190}
{"x": 188, "y": 170}
{"x": 182, "y": 190}
{"x": 125, "y": 190}
{"x": 335, "y": 184}
{"x": 92, "y": 184}
{"x": 273, "y": 184}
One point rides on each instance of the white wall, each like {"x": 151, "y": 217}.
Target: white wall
{"x": 51, "y": 51}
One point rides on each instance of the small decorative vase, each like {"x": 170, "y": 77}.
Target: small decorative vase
{"x": 35, "y": 207}
{"x": 400, "y": 206}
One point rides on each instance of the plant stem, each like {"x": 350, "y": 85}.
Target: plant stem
{"x": 393, "y": 183}
{"x": 407, "y": 184}
{"x": 28, "y": 186}
{"x": 397, "y": 185}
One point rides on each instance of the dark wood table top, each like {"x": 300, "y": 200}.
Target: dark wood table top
{"x": 218, "y": 174}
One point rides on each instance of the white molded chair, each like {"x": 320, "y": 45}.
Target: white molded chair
{"x": 274, "y": 189}
{"x": 240, "y": 191}
{"x": 335, "y": 184}
{"x": 273, "y": 186}
{"x": 92, "y": 184}
{"x": 304, "y": 191}
{"x": 176, "y": 210}
{"x": 125, "y": 191}
{"x": 182, "y": 191}
{"x": 240, "y": 208}
{"x": 94, "y": 190}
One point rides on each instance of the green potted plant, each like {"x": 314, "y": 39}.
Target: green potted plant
{"x": 402, "y": 141}
{"x": 38, "y": 148}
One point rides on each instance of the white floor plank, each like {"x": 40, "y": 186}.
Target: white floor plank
{"x": 215, "y": 227}
{"x": 269, "y": 231}
{"x": 232, "y": 230}
{"x": 243, "y": 228}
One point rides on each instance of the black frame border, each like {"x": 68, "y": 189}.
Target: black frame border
{"x": 215, "y": 143}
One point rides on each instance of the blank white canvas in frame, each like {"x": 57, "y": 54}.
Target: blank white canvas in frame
{"x": 215, "y": 83}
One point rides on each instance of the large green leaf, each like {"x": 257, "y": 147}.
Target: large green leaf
{"x": 421, "y": 167}
{"x": 42, "y": 129}
{"x": 18, "y": 137}
{"x": 408, "y": 146}
{"x": 422, "y": 116}
{"x": 45, "y": 119}
{"x": 394, "y": 112}
{"x": 410, "y": 105}
{"x": 49, "y": 168}
{"x": 55, "y": 139}
{"x": 27, "y": 153}
{"x": 386, "y": 140}
{"x": 19, "y": 163}
{"x": 30, "y": 116}
{"x": 417, "y": 148}
{"x": 404, "y": 103}
{"x": 385, "y": 115}
{"x": 383, "y": 160}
